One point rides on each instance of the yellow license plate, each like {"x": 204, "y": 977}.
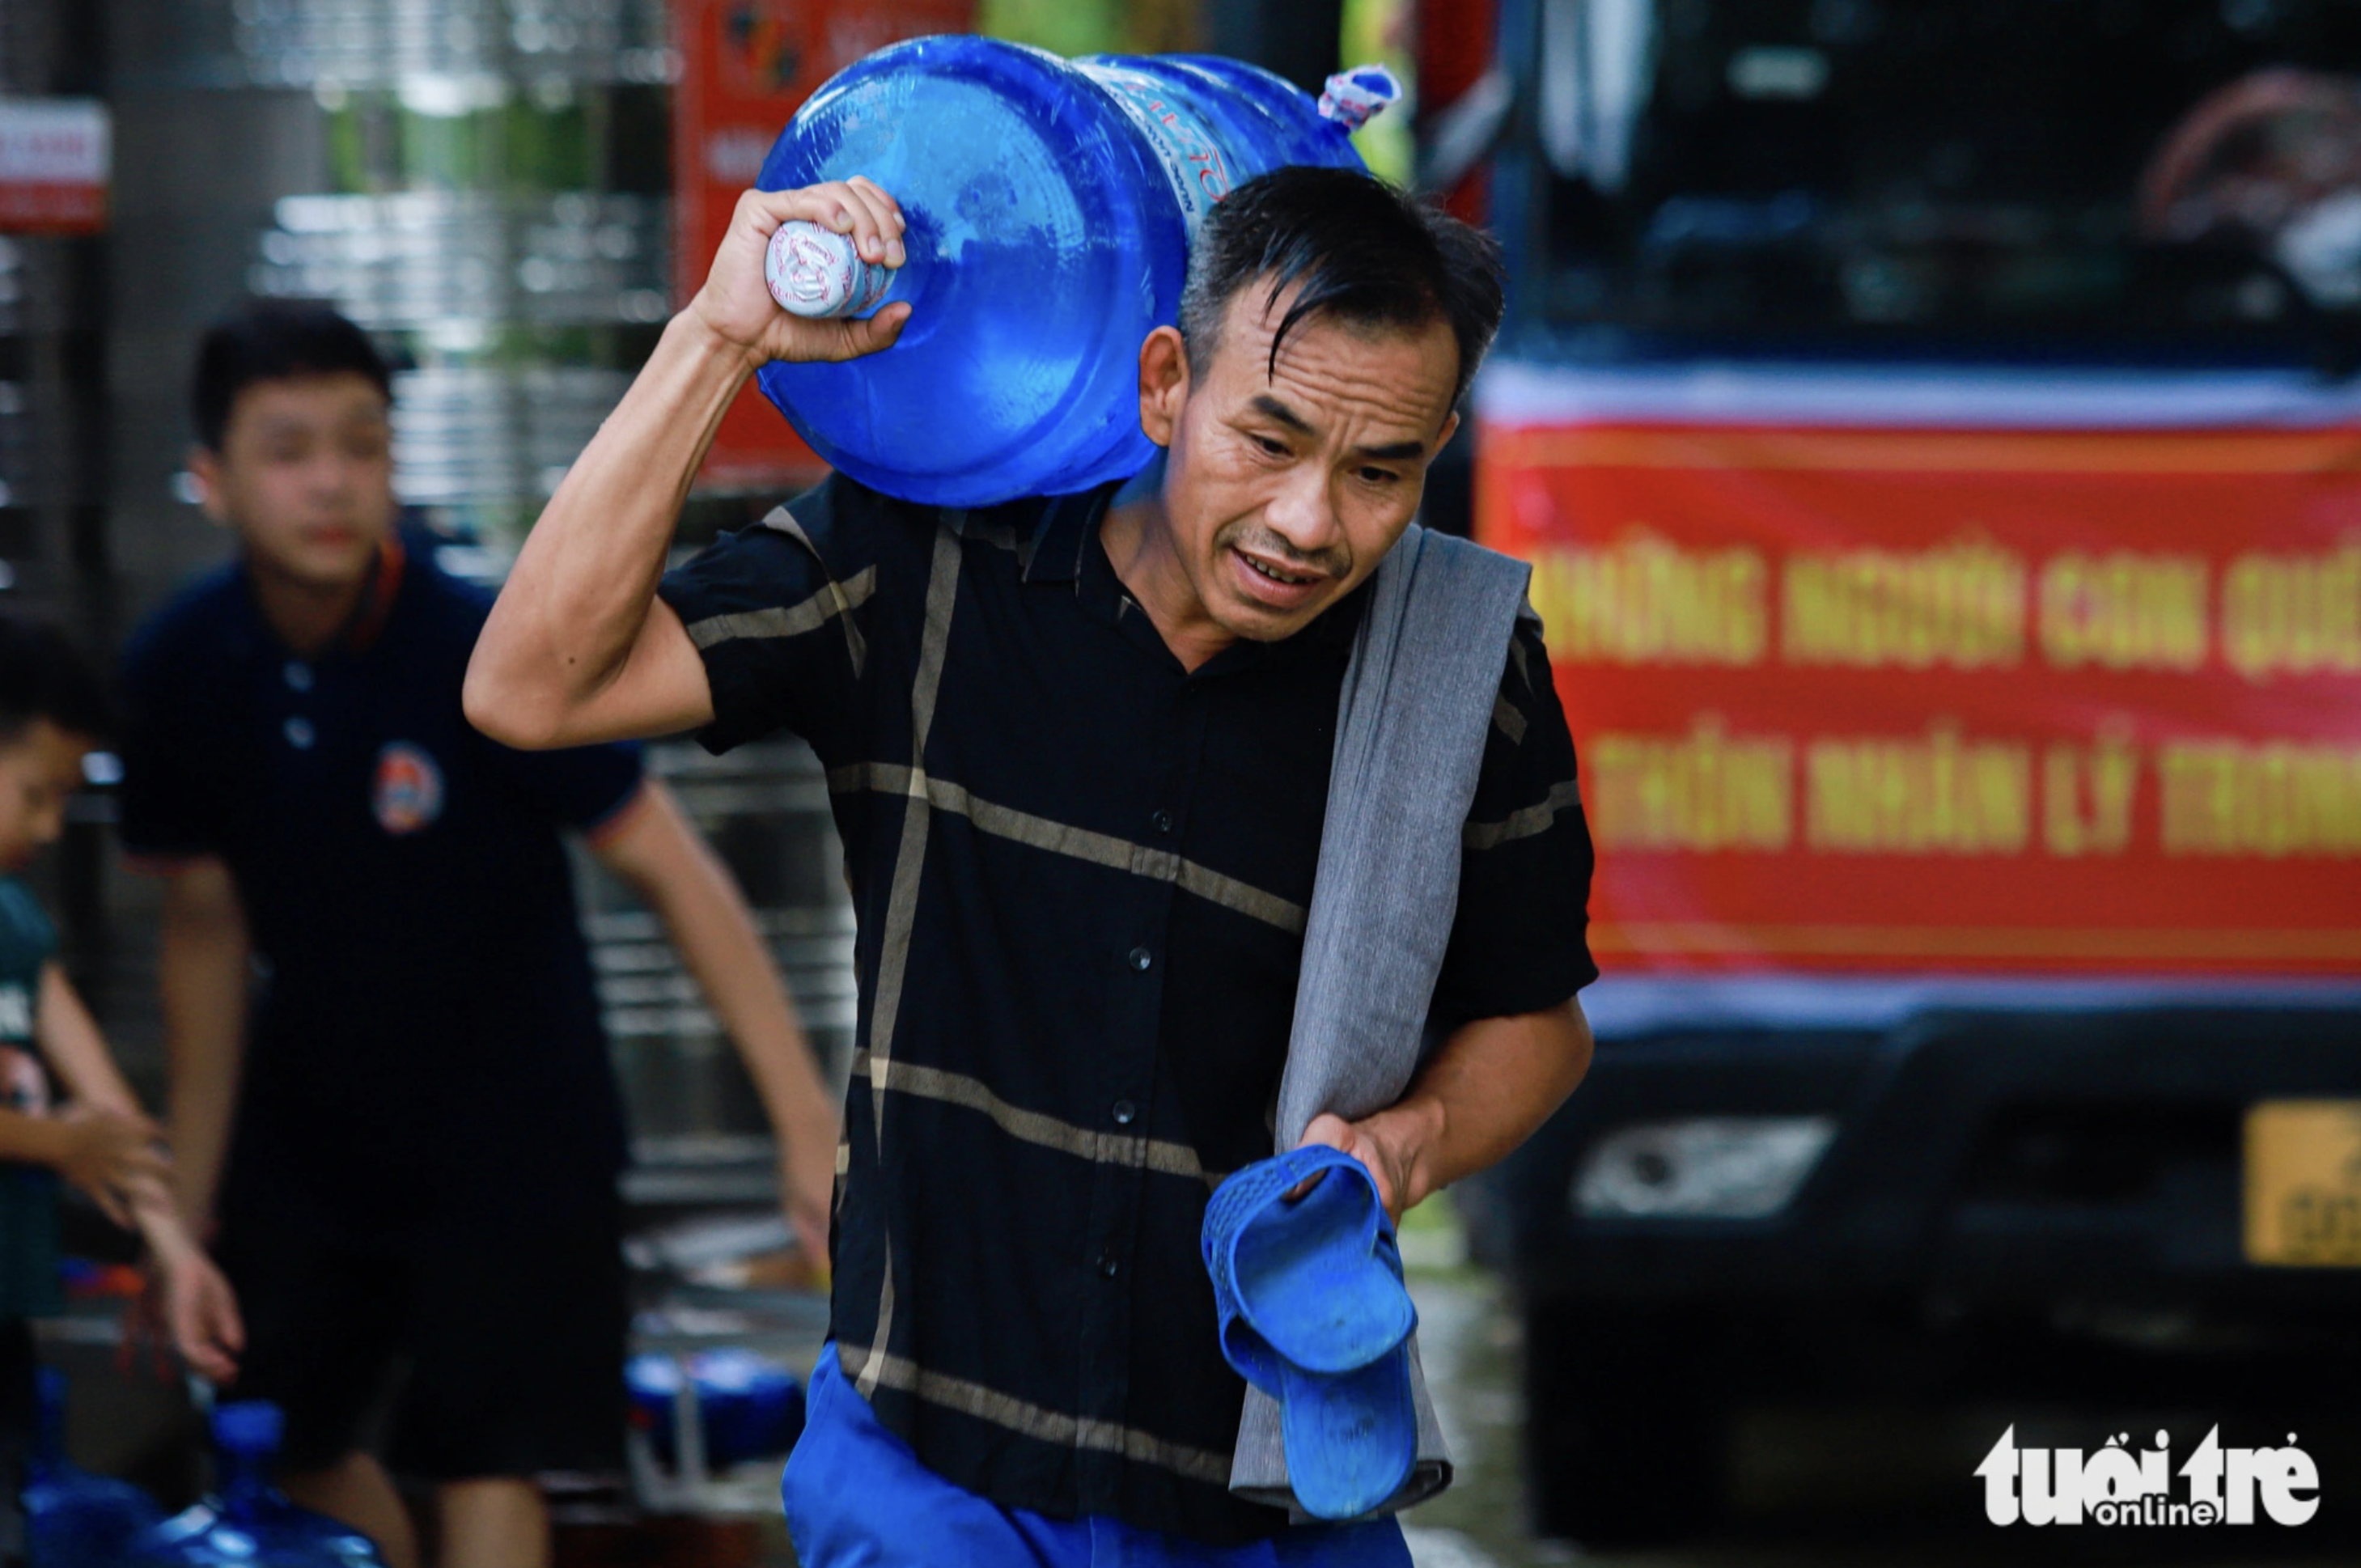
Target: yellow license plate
{"x": 2303, "y": 1183}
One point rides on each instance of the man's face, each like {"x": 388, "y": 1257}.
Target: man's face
{"x": 1284, "y": 491}
{"x": 39, "y": 769}
{"x": 305, "y": 476}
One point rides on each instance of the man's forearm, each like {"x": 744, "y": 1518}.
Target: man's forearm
{"x": 1487, "y": 1089}
{"x": 578, "y": 648}
{"x": 573, "y": 607}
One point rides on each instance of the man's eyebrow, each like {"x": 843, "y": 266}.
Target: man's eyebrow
{"x": 1272, "y": 408}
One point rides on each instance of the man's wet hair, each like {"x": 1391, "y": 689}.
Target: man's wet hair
{"x": 1366, "y": 254}
{"x": 44, "y": 675}
{"x": 275, "y": 340}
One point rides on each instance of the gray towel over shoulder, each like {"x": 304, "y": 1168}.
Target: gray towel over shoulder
{"x": 1418, "y": 698}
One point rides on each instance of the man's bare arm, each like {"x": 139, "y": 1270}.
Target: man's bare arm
{"x": 202, "y": 973}
{"x": 580, "y": 649}
{"x": 1485, "y": 1091}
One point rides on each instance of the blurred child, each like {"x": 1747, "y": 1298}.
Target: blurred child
{"x": 65, "y": 1112}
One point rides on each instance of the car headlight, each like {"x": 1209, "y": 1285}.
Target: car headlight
{"x": 1704, "y": 1167}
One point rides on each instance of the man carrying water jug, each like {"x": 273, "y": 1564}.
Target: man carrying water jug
{"x": 1080, "y": 750}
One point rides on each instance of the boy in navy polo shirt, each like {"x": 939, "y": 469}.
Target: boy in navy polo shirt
{"x": 371, "y": 956}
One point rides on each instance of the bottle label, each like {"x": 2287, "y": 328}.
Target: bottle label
{"x": 1194, "y": 162}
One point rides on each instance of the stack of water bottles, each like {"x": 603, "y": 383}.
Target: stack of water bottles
{"x": 1050, "y": 205}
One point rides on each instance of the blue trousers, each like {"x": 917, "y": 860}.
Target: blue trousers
{"x": 857, "y": 1497}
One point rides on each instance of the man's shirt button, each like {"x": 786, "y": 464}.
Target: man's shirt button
{"x": 1142, "y": 959}
{"x": 298, "y": 675}
{"x": 1108, "y": 1266}
{"x": 1161, "y": 822}
{"x": 1125, "y": 1113}
{"x": 299, "y": 733}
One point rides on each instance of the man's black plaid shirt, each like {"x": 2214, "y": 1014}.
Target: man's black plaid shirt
{"x": 1081, "y": 877}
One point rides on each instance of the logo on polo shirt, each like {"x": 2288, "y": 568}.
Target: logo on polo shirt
{"x": 24, "y": 1086}
{"x": 408, "y": 792}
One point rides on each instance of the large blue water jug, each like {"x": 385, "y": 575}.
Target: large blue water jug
{"x": 74, "y": 1518}
{"x": 248, "y": 1522}
{"x": 1049, "y": 204}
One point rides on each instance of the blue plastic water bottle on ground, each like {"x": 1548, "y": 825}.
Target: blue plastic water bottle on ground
{"x": 1049, "y": 205}
{"x": 748, "y": 1406}
{"x": 74, "y": 1518}
{"x": 248, "y": 1522}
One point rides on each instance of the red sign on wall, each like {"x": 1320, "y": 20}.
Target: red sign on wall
{"x": 1952, "y": 694}
{"x": 746, "y": 67}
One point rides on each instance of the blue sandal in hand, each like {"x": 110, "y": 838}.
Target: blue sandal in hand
{"x": 1315, "y": 1314}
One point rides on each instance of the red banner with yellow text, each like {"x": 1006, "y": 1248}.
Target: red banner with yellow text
{"x": 1951, "y": 695}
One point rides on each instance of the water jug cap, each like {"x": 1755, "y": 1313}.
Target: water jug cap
{"x": 1356, "y": 96}
{"x": 813, "y": 271}
{"x": 249, "y": 1426}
